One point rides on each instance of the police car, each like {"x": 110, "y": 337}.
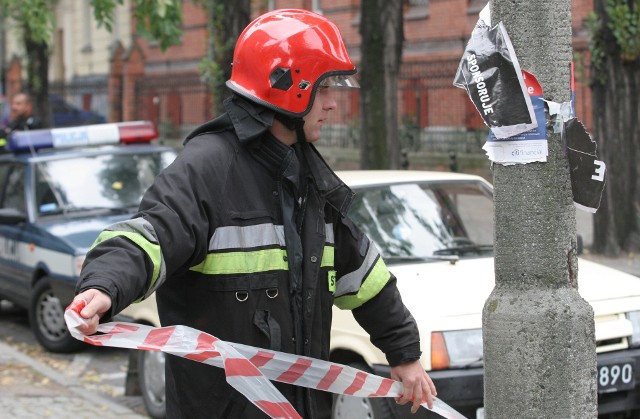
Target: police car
{"x": 58, "y": 189}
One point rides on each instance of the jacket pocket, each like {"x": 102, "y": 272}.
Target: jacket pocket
{"x": 256, "y": 309}
{"x": 255, "y": 216}
{"x": 244, "y": 283}
{"x": 269, "y": 327}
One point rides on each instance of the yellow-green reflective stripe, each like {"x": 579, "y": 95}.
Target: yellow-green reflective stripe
{"x": 151, "y": 249}
{"x": 375, "y": 281}
{"x": 243, "y": 262}
{"x": 328, "y": 255}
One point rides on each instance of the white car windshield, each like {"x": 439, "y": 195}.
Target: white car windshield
{"x": 425, "y": 220}
{"x": 101, "y": 182}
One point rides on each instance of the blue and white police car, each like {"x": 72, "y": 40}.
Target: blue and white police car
{"x": 58, "y": 189}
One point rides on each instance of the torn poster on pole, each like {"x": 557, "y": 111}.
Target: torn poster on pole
{"x": 526, "y": 147}
{"x": 490, "y": 73}
{"x": 586, "y": 171}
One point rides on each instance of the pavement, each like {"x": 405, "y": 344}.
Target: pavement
{"x": 35, "y": 383}
{"x": 32, "y": 389}
{"x": 626, "y": 262}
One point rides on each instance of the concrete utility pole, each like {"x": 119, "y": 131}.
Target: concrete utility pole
{"x": 539, "y": 338}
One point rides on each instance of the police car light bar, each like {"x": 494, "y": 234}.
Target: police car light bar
{"x": 83, "y": 136}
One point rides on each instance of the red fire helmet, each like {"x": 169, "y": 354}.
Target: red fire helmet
{"x": 283, "y": 56}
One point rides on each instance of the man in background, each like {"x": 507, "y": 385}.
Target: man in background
{"x": 21, "y": 117}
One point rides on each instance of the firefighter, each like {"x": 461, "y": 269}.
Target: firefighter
{"x": 245, "y": 235}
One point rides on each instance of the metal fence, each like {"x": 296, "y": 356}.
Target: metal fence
{"x": 176, "y": 103}
{"x": 433, "y": 115}
{"x": 89, "y": 94}
{"x": 413, "y": 138}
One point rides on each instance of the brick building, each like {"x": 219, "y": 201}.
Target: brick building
{"x": 81, "y": 51}
{"x": 436, "y": 32}
{"x": 143, "y": 82}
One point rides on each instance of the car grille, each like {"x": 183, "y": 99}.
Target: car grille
{"x": 612, "y": 332}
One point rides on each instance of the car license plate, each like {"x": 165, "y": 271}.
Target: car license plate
{"x": 616, "y": 377}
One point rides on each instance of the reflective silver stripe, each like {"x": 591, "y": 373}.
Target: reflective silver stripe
{"x": 350, "y": 283}
{"x": 261, "y": 235}
{"x": 328, "y": 231}
{"x": 144, "y": 228}
{"x": 233, "y": 237}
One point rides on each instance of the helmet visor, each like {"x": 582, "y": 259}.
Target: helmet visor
{"x": 340, "y": 81}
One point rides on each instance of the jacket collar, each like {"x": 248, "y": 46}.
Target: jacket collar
{"x": 251, "y": 121}
{"x": 247, "y": 119}
{"x": 278, "y": 158}
{"x": 334, "y": 190}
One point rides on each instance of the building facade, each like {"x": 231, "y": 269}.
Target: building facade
{"x": 81, "y": 50}
{"x": 126, "y": 77}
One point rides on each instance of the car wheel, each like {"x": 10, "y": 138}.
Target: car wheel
{"x": 152, "y": 384}
{"x": 46, "y": 316}
{"x": 347, "y": 407}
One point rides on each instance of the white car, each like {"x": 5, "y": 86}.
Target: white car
{"x": 435, "y": 232}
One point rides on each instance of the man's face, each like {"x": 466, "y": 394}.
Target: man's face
{"x": 313, "y": 121}
{"x": 20, "y": 106}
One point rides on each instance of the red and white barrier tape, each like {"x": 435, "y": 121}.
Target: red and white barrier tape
{"x": 248, "y": 369}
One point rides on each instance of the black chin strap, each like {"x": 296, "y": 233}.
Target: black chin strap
{"x": 299, "y": 128}
{"x": 288, "y": 121}
{"x": 300, "y": 147}
{"x": 293, "y": 124}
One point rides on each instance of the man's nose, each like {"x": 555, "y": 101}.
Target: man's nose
{"x": 331, "y": 103}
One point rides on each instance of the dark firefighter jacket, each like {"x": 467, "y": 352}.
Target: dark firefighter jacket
{"x": 251, "y": 246}
{"x": 20, "y": 124}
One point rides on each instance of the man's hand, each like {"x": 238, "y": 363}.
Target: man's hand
{"x": 418, "y": 387}
{"x": 98, "y": 303}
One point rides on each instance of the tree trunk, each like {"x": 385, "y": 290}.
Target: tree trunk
{"x": 37, "y": 54}
{"x": 616, "y": 116}
{"x": 539, "y": 337}
{"x": 228, "y": 20}
{"x": 382, "y": 31}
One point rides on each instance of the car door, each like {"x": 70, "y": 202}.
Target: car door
{"x": 14, "y": 283}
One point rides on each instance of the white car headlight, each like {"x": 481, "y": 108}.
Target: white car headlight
{"x": 456, "y": 349}
{"x": 634, "y": 318}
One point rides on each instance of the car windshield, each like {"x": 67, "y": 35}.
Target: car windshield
{"x": 428, "y": 220}
{"x": 110, "y": 182}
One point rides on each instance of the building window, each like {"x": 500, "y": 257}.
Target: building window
{"x": 418, "y": 9}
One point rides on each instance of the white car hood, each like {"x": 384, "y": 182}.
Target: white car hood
{"x": 427, "y": 289}
{"x": 598, "y": 282}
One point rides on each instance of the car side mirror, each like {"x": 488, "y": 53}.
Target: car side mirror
{"x": 12, "y": 216}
